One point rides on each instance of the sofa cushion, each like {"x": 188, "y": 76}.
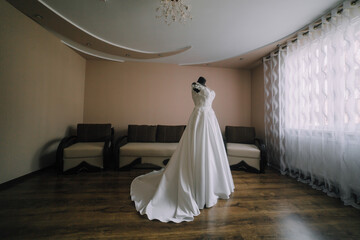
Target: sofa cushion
{"x": 243, "y": 150}
{"x": 84, "y": 149}
{"x": 240, "y": 134}
{"x": 168, "y": 134}
{"x": 93, "y": 132}
{"x": 141, "y": 133}
{"x": 148, "y": 149}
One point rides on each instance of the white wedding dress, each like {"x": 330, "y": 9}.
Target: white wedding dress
{"x": 197, "y": 174}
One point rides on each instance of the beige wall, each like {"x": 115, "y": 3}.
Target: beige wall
{"x": 41, "y": 93}
{"x": 153, "y": 93}
{"x": 257, "y": 101}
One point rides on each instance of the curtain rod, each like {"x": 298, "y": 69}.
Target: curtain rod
{"x": 317, "y": 24}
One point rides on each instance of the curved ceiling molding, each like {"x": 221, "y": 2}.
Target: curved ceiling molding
{"x": 81, "y": 50}
{"x": 54, "y": 21}
{"x": 238, "y": 36}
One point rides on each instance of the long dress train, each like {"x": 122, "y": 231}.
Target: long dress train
{"x": 197, "y": 174}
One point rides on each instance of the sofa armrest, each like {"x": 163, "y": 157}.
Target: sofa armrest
{"x": 108, "y": 151}
{"x": 116, "y": 150}
{"x": 64, "y": 143}
{"x": 119, "y": 141}
{"x": 261, "y": 145}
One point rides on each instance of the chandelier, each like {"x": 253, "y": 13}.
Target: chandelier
{"x": 173, "y": 11}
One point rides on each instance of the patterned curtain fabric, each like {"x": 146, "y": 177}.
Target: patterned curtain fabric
{"x": 312, "y": 106}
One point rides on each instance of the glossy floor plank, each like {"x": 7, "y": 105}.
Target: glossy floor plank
{"x": 98, "y": 206}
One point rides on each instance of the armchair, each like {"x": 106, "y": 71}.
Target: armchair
{"x": 90, "y": 149}
{"x": 244, "y": 150}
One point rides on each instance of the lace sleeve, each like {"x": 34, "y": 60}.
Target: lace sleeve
{"x": 196, "y": 87}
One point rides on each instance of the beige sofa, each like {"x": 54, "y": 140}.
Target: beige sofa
{"x": 147, "y": 144}
{"x": 244, "y": 150}
{"x": 89, "y": 150}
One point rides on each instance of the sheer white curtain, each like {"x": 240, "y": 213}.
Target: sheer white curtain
{"x": 312, "y": 106}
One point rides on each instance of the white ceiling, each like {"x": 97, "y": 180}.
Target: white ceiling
{"x": 219, "y": 29}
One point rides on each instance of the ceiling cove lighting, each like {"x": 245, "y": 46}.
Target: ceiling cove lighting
{"x": 173, "y": 11}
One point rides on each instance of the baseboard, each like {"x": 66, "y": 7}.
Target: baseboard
{"x": 18, "y": 180}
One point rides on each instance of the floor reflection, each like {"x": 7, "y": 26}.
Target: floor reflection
{"x": 295, "y": 228}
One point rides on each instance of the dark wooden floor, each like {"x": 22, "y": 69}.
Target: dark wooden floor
{"x": 98, "y": 206}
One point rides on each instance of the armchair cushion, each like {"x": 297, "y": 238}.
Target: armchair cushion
{"x": 84, "y": 150}
{"x": 244, "y": 135}
{"x": 93, "y": 132}
{"x": 169, "y": 134}
{"x": 141, "y": 133}
{"x": 243, "y": 150}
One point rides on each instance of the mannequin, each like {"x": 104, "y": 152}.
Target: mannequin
{"x": 198, "y": 172}
{"x": 202, "y": 81}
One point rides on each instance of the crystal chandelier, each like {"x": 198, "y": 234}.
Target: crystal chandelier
{"x": 173, "y": 11}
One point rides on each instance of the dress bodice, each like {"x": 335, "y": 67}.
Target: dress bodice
{"x": 204, "y": 98}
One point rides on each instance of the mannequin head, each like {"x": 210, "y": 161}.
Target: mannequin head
{"x": 202, "y": 81}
